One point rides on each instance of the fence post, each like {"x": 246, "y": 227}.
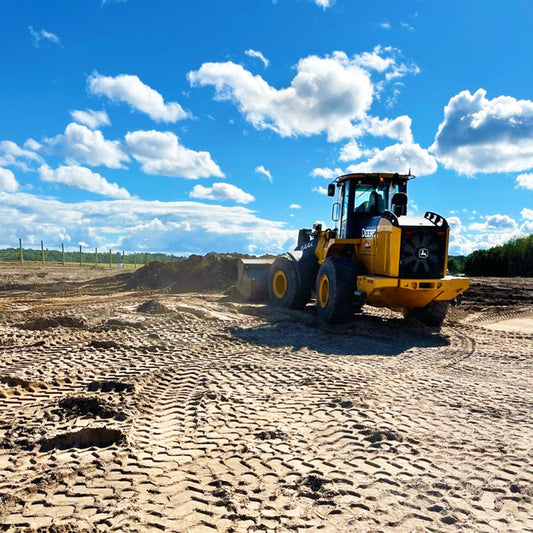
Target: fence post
{"x": 81, "y": 257}
{"x": 96, "y": 256}
{"x": 21, "y": 252}
{"x": 63, "y": 253}
{"x": 42, "y": 252}
{"x": 110, "y": 259}
{"x": 123, "y": 264}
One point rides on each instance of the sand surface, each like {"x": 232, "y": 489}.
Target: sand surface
{"x": 140, "y": 411}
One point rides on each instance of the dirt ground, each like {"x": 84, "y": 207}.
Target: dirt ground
{"x": 141, "y": 411}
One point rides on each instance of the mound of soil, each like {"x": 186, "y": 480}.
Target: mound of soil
{"x": 41, "y": 323}
{"x": 213, "y": 272}
{"x": 153, "y": 307}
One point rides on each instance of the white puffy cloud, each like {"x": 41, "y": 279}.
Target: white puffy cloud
{"x": 527, "y": 226}
{"x": 82, "y": 178}
{"x": 11, "y": 154}
{"x": 258, "y": 55}
{"x": 221, "y": 192}
{"x": 328, "y": 94}
{"x": 527, "y": 213}
{"x": 350, "y": 152}
{"x": 320, "y": 190}
{"x": 495, "y": 230}
{"x": 482, "y": 135}
{"x": 92, "y": 119}
{"x": 42, "y": 35}
{"x": 495, "y": 223}
{"x": 325, "y": 95}
{"x": 327, "y": 173}
{"x": 160, "y": 153}
{"x": 524, "y": 181}
{"x": 398, "y": 128}
{"x": 324, "y": 3}
{"x": 130, "y": 89}
{"x": 295, "y": 206}
{"x": 135, "y": 224}
{"x": 81, "y": 144}
{"x": 8, "y": 183}
{"x": 262, "y": 170}
{"x": 399, "y": 158}
{"x": 32, "y": 144}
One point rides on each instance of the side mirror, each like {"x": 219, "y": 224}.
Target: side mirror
{"x": 331, "y": 189}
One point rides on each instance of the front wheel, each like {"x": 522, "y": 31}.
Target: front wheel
{"x": 284, "y": 286}
{"x": 335, "y": 286}
{"x": 432, "y": 314}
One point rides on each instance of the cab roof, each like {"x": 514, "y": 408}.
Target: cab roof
{"x": 373, "y": 177}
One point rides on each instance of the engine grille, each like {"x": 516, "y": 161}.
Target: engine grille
{"x": 422, "y": 253}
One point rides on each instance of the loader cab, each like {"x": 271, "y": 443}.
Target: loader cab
{"x": 363, "y": 198}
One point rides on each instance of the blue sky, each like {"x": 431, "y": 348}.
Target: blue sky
{"x": 216, "y": 125}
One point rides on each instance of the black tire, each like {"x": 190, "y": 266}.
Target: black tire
{"x": 284, "y": 286}
{"x": 432, "y": 314}
{"x": 335, "y": 285}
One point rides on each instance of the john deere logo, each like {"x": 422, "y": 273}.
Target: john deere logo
{"x": 423, "y": 253}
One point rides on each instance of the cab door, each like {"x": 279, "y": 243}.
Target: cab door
{"x": 344, "y": 200}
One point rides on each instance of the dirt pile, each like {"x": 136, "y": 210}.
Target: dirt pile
{"x": 212, "y": 272}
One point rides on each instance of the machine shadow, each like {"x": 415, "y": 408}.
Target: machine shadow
{"x": 365, "y": 335}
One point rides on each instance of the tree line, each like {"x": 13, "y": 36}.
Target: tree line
{"x": 514, "y": 258}
{"x": 56, "y": 256}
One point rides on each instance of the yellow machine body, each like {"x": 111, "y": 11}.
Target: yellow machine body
{"x": 379, "y": 254}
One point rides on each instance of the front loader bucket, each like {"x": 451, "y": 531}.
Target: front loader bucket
{"x": 252, "y": 278}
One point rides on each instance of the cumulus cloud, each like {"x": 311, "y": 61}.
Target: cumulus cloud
{"x": 42, "y": 35}
{"x": 258, "y": 55}
{"x": 82, "y": 178}
{"x": 351, "y": 152}
{"x": 221, "y": 192}
{"x": 130, "y": 89}
{"x": 135, "y": 224}
{"x": 295, "y": 206}
{"x": 527, "y": 213}
{"x": 8, "y": 183}
{"x": 327, "y": 173}
{"x": 493, "y": 231}
{"x": 324, "y": 3}
{"x": 92, "y": 119}
{"x": 495, "y": 223}
{"x": 262, "y": 170}
{"x": 11, "y": 154}
{"x": 524, "y": 181}
{"x": 160, "y": 153}
{"x": 321, "y": 190}
{"x": 482, "y": 135}
{"x": 398, "y": 128}
{"x": 399, "y": 158}
{"x": 81, "y": 144}
{"x": 327, "y": 95}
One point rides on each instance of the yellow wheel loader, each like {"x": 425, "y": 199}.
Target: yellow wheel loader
{"x": 377, "y": 254}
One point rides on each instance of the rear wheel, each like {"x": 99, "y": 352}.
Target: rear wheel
{"x": 335, "y": 286}
{"x": 432, "y": 314}
{"x": 284, "y": 286}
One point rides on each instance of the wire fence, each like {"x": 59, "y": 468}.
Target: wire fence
{"x": 82, "y": 257}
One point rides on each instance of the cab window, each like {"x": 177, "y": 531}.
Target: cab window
{"x": 369, "y": 200}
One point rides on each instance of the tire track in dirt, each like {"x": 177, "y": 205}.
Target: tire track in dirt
{"x": 277, "y": 426}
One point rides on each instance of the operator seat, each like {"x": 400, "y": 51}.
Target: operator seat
{"x": 399, "y": 204}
